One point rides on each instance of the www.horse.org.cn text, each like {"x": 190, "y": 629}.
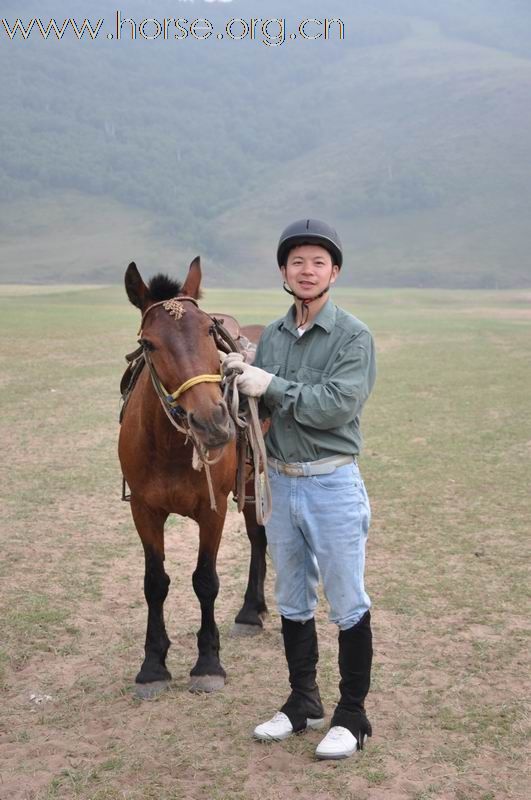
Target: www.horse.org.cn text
{"x": 271, "y": 32}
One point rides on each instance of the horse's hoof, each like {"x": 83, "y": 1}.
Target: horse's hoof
{"x": 240, "y": 629}
{"x": 149, "y": 691}
{"x": 206, "y": 683}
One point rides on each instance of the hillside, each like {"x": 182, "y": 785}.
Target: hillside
{"x": 412, "y": 135}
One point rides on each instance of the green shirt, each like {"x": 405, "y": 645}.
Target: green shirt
{"x": 322, "y": 380}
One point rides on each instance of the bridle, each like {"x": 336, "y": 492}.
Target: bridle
{"x": 175, "y": 308}
{"x": 169, "y": 400}
{"x": 248, "y": 424}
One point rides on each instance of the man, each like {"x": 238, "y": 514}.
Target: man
{"x": 314, "y": 370}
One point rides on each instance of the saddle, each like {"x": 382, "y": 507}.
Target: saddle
{"x": 245, "y": 346}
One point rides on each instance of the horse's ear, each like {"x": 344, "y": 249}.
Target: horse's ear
{"x": 135, "y": 287}
{"x": 192, "y": 283}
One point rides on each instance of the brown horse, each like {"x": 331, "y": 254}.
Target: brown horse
{"x": 157, "y": 463}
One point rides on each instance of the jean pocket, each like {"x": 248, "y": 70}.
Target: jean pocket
{"x": 341, "y": 480}
{"x": 272, "y": 474}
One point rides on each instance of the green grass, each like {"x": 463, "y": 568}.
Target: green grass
{"x": 447, "y": 465}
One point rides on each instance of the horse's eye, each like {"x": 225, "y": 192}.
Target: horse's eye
{"x": 146, "y": 344}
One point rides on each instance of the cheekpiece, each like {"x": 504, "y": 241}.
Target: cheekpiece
{"x": 174, "y": 307}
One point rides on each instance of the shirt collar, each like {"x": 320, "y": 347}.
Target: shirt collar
{"x": 326, "y": 318}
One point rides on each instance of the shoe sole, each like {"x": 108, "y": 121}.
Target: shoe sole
{"x": 311, "y": 724}
{"x": 335, "y": 756}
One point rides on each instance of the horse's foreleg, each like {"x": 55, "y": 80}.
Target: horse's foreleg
{"x": 249, "y": 619}
{"x": 150, "y": 526}
{"x": 208, "y": 674}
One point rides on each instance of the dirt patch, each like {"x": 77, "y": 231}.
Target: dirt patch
{"x": 92, "y": 739}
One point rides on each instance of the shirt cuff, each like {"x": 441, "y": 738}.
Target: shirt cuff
{"x": 276, "y": 390}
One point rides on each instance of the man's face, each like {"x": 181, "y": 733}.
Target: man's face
{"x": 309, "y": 270}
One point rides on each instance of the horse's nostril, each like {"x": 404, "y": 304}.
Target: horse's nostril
{"x": 217, "y": 419}
{"x": 197, "y": 423}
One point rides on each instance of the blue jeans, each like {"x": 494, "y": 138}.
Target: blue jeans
{"x": 319, "y": 524}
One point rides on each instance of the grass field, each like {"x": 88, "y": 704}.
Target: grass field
{"x": 447, "y": 466}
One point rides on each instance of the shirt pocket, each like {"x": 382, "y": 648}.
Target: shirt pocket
{"x": 310, "y": 375}
{"x": 273, "y": 369}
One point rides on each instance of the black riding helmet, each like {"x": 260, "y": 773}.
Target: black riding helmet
{"x": 309, "y": 231}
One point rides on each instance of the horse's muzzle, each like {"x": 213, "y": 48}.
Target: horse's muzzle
{"x": 214, "y": 430}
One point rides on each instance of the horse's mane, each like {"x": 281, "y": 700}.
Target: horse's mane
{"x": 161, "y": 287}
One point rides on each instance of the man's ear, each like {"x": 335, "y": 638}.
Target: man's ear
{"x": 334, "y": 273}
{"x": 192, "y": 283}
{"x": 135, "y": 287}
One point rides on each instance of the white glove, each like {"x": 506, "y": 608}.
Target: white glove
{"x": 232, "y": 361}
{"x": 252, "y": 381}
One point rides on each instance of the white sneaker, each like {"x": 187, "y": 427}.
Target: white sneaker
{"x": 279, "y": 727}
{"x": 338, "y": 743}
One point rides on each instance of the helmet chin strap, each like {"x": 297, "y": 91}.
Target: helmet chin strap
{"x": 305, "y": 301}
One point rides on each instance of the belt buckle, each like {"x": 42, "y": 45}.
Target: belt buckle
{"x": 292, "y": 470}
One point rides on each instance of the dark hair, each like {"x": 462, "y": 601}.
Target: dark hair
{"x": 161, "y": 287}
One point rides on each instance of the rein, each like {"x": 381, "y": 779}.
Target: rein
{"x": 169, "y": 402}
{"x": 248, "y": 424}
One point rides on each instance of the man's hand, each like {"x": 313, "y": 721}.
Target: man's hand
{"x": 252, "y": 381}
{"x": 232, "y": 361}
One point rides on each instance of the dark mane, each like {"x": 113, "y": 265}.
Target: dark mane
{"x": 161, "y": 287}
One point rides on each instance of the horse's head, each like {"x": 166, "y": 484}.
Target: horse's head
{"x": 178, "y": 340}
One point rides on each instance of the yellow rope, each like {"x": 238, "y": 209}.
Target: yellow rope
{"x": 192, "y": 382}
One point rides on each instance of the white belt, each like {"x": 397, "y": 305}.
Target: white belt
{"x": 302, "y": 469}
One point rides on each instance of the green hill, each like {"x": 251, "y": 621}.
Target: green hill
{"x": 412, "y": 135}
